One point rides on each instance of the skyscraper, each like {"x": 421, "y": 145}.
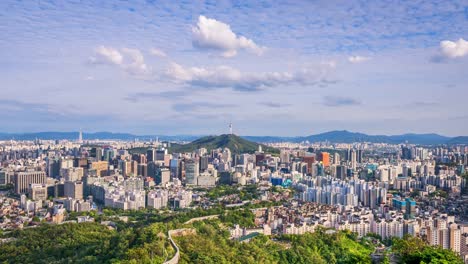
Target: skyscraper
{"x": 191, "y": 171}
{"x": 353, "y": 159}
{"x": 151, "y": 155}
{"x": 324, "y": 157}
{"x": 80, "y": 137}
{"x": 74, "y": 189}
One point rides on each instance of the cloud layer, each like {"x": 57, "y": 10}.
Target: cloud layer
{"x": 43, "y": 45}
{"x": 339, "y": 101}
{"x": 131, "y": 60}
{"x": 226, "y": 76}
{"x": 212, "y": 34}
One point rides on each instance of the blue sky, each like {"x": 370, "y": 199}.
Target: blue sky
{"x": 270, "y": 68}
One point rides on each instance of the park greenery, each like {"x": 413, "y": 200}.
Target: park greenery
{"x": 143, "y": 239}
{"x": 211, "y": 244}
{"x": 245, "y": 193}
{"x": 133, "y": 243}
{"x": 236, "y": 144}
{"x": 414, "y": 250}
{"x": 87, "y": 243}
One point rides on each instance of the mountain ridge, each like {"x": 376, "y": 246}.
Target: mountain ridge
{"x": 335, "y": 136}
{"x": 235, "y": 144}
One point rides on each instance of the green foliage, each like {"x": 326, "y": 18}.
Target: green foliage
{"x": 439, "y": 193}
{"x": 234, "y": 143}
{"x": 87, "y": 243}
{"x": 245, "y": 193}
{"x": 83, "y": 243}
{"x": 6, "y": 187}
{"x": 414, "y": 250}
{"x": 145, "y": 241}
{"x": 243, "y": 217}
{"x": 211, "y": 245}
{"x": 414, "y": 194}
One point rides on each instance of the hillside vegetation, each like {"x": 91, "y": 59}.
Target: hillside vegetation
{"x": 148, "y": 243}
{"x": 234, "y": 143}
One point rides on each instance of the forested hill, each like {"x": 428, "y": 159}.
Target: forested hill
{"x": 236, "y": 144}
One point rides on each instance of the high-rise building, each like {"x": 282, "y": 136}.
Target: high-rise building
{"x": 97, "y": 153}
{"x": 108, "y": 154}
{"x": 142, "y": 170}
{"x": 24, "y": 179}
{"x": 53, "y": 168}
{"x": 174, "y": 166}
{"x": 340, "y": 172}
{"x": 410, "y": 208}
{"x": 359, "y": 155}
{"x": 101, "y": 167}
{"x": 126, "y": 168}
{"x": 336, "y": 158}
{"x": 163, "y": 176}
{"x": 81, "y": 162}
{"x": 158, "y": 199}
{"x": 259, "y": 159}
{"x": 406, "y": 153}
{"x": 72, "y": 174}
{"x": 66, "y": 163}
{"x": 160, "y": 153}
{"x": 284, "y": 156}
{"x": 6, "y": 177}
{"x": 38, "y": 192}
{"x": 74, "y": 189}
{"x": 353, "y": 159}
{"x": 309, "y": 160}
{"x": 80, "y": 136}
{"x": 191, "y": 171}
{"x": 324, "y": 157}
{"x": 204, "y": 163}
{"x": 151, "y": 155}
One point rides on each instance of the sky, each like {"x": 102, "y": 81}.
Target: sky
{"x": 284, "y": 68}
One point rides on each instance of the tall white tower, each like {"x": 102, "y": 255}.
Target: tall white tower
{"x": 230, "y": 128}
{"x": 80, "y": 137}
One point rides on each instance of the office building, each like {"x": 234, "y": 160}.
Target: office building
{"x": 74, "y": 189}
{"x": 24, "y": 179}
{"x": 191, "y": 171}
{"x": 38, "y": 192}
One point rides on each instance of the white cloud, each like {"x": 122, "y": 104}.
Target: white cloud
{"x": 157, "y": 52}
{"x": 212, "y": 34}
{"x": 130, "y": 60}
{"x": 107, "y": 55}
{"x": 451, "y": 49}
{"x": 134, "y": 61}
{"x": 225, "y": 76}
{"x": 358, "y": 59}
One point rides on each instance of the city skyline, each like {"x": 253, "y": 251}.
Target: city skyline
{"x": 186, "y": 68}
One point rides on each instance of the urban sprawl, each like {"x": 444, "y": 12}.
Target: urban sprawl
{"x": 387, "y": 189}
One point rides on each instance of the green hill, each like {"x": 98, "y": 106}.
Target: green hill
{"x": 234, "y": 143}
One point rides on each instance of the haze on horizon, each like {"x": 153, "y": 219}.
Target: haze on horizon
{"x": 270, "y": 68}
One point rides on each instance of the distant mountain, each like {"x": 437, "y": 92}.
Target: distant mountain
{"x": 92, "y": 136}
{"x": 338, "y": 136}
{"x": 344, "y": 136}
{"x": 234, "y": 143}
{"x": 459, "y": 140}
{"x": 272, "y": 139}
